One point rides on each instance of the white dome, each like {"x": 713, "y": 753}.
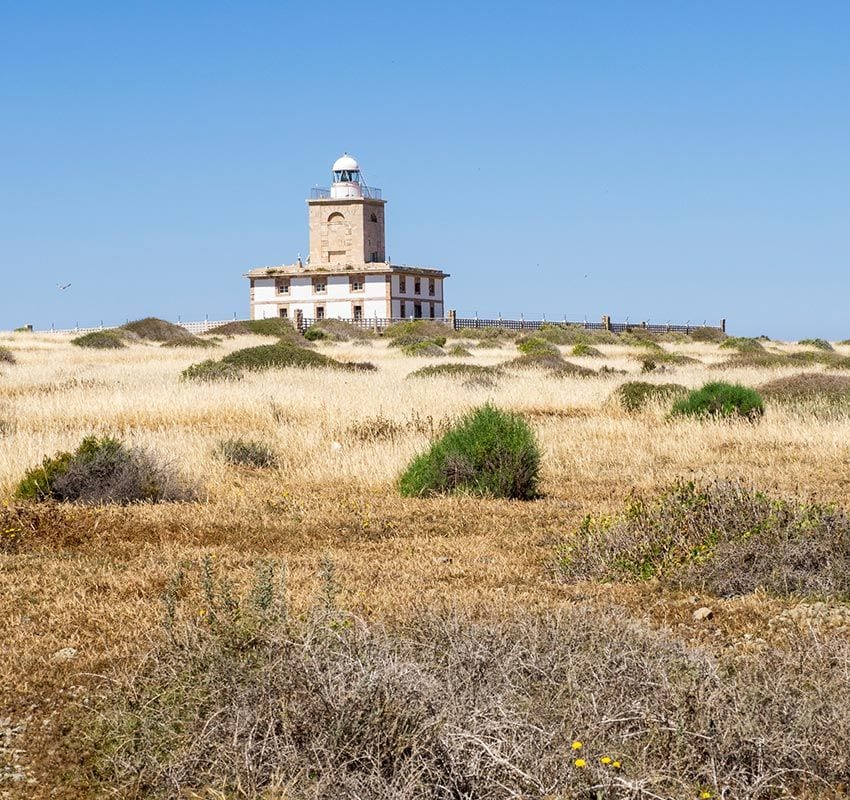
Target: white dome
{"x": 345, "y": 162}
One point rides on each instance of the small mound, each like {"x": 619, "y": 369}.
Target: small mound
{"x": 419, "y": 328}
{"x": 555, "y": 365}
{"x": 410, "y": 339}
{"x": 707, "y": 335}
{"x": 565, "y": 334}
{"x": 808, "y": 386}
{"x": 152, "y": 329}
{"x": 211, "y": 371}
{"x": 458, "y": 351}
{"x": 489, "y": 452}
{"x": 582, "y": 350}
{"x": 339, "y": 331}
{"x": 818, "y": 344}
{"x": 537, "y": 346}
{"x": 721, "y": 400}
{"x": 274, "y": 326}
{"x": 102, "y": 470}
{"x": 111, "y": 339}
{"x": 423, "y": 350}
{"x": 195, "y": 341}
{"x": 742, "y": 344}
{"x": 246, "y": 453}
{"x": 724, "y": 538}
{"x": 6, "y": 356}
{"x": 634, "y": 395}
{"x": 453, "y": 370}
{"x": 278, "y": 356}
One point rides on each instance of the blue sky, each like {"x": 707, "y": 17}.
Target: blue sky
{"x": 691, "y": 159}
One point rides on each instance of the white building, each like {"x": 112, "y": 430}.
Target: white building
{"x": 347, "y": 274}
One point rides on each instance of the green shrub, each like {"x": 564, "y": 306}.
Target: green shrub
{"x": 246, "y": 453}
{"x": 553, "y": 364}
{"x": 102, "y": 470}
{"x": 100, "y": 340}
{"x": 454, "y": 370}
{"x": 209, "y": 371}
{"x": 419, "y": 329}
{"x": 277, "y": 356}
{"x": 634, "y": 395}
{"x": 339, "y": 331}
{"x": 721, "y": 400}
{"x": 723, "y": 538}
{"x": 6, "y": 356}
{"x": 358, "y": 366}
{"x": 412, "y": 339}
{"x": 423, "y": 349}
{"x": 536, "y": 346}
{"x": 194, "y": 341}
{"x": 565, "y": 334}
{"x": 489, "y": 452}
{"x": 315, "y": 335}
{"x": 586, "y": 351}
{"x": 742, "y": 344}
{"x": 818, "y": 344}
{"x": 458, "y": 351}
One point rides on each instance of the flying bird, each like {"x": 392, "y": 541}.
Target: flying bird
{"x": 62, "y": 287}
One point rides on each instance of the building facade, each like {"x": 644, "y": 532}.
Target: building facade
{"x": 347, "y": 274}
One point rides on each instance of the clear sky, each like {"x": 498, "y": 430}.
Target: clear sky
{"x": 680, "y": 160}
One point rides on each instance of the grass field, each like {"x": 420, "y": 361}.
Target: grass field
{"x": 93, "y": 578}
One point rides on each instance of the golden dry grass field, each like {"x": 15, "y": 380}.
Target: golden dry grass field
{"x": 93, "y": 578}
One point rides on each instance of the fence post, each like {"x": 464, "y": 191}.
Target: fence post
{"x": 723, "y": 325}
{"x": 453, "y": 319}
{"x": 606, "y": 321}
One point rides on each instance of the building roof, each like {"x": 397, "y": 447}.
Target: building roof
{"x": 343, "y": 269}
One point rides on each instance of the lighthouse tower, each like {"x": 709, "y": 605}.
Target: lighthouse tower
{"x": 347, "y": 222}
{"x": 347, "y": 275}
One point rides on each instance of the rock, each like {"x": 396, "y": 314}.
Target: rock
{"x": 65, "y": 654}
{"x": 703, "y": 613}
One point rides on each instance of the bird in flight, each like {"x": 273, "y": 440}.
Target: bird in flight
{"x": 62, "y": 287}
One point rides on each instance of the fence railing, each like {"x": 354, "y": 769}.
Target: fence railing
{"x": 323, "y": 193}
{"x": 379, "y": 324}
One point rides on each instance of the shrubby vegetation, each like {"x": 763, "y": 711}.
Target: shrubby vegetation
{"x": 210, "y": 371}
{"x": 722, "y": 538}
{"x": 6, "y": 356}
{"x": 110, "y": 339}
{"x": 102, "y": 470}
{"x": 586, "y": 350}
{"x": 157, "y": 330}
{"x": 489, "y": 452}
{"x": 242, "y": 696}
{"x": 720, "y": 399}
{"x": 742, "y": 344}
{"x": 818, "y": 344}
{"x": 453, "y": 370}
{"x": 246, "y": 453}
{"x": 634, "y": 395}
{"x": 808, "y": 386}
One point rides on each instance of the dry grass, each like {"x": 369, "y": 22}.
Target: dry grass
{"x": 93, "y": 579}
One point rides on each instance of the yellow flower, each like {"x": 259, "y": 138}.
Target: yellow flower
{"x": 577, "y": 745}
{"x": 617, "y": 765}
{"x": 580, "y": 763}
{"x": 705, "y": 795}
{"x": 605, "y": 760}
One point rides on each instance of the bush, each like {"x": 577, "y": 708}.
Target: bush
{"x": 489, "y": 452}
{"x": 742, "y": 344}
{"x": 412, "y": 339}
{"x": 315, "y": 335}
{"x": 101, "y": 340}
{"x": 423, "y": 350}
{"x": 419, "y": 329}
{"x": 339, "y": 331}
{"x": 453, "y": 370}
{"x": 458, "y": 351}
{"x": 241, "y": 697}
{"x": 536, "y": 346}
{"x": 722, "y": 538}
{"x": 210, "y": 371}
{"x": 818, "y": 344}
{"x": 157, "y": 330}
{"x": 808, "y": 386}
{"x": 553, "y": 364}
{"x": 246, "y": 453}
{"x": 721, "y": 400}
{"x": 278, "y": 356}
{"x": 586, "y": 351}
{"x": 634, "y": 395}
{"x": 707, "y": 335}
{"x": 565, "y": 334}
{"x": 6, "y": 356}
{"x": 101, "y": 470}
{"x": 194, "y": 341}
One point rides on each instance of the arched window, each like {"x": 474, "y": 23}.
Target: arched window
{"x": 336, "y": 217}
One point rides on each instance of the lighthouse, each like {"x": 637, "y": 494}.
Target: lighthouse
{"x": 347, "y": 274}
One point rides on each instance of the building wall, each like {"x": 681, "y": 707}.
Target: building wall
{"x": 349, "y": 231}
{"x": 338, "y": 299}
